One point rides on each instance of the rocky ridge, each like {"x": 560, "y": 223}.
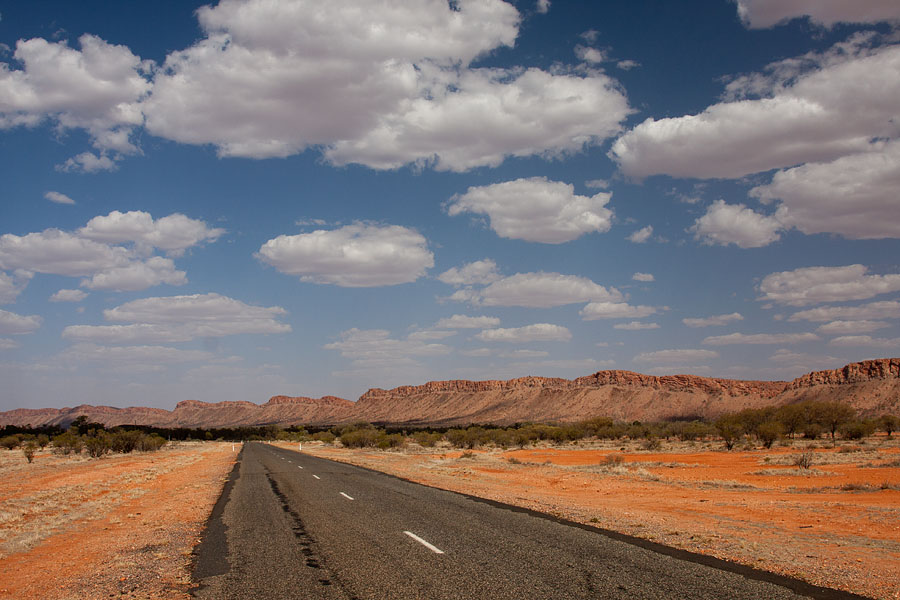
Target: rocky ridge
{"x": 872, "y": 386}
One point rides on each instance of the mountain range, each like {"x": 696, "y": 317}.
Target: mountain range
{"x": 872, "y": 387}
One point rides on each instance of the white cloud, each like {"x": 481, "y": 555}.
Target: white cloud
{"x": 641, "y": 235}
{"x": 140, "y": 355}
{"x": 381, "y": 84}
{"x": 480, "y": 272}
{"x": 852, "y": 341}
{"x": 464, "y": 322}
{"x": 524, "y": 354}
{"x": 429, "y": 334}
{"x": 542, "y": 6}
{"x": 590, "y": 55}
{"x": 645, "y": 277}
{"x": 759, "y": 14}
{"x": 536, "y": 210}
{"x": 88, "y": 162}
{"x": 851, "y": 327}
{"x": 812, "y": 285}
{"x": 815, "y": 108}
{"x": 60, "y": 253}
{"x": 615, "y": 310}
{"x": 760, "y": 338}
{"x": 713, "y": 320}
{"x": 8, "y": 344}
{"x": 97, "y": 88}
{"x": 128, "y": 334}
{"x": 675, "y": 356}
{"x": 628, "y": 64}
{"x": 477, "y": 352}
{"x": 788, "y": 357}
{"x": 636, "y": 326}
{"x": 137, "y": 276}
{"x": 68, "y": 296}
{"x": 199, "y": 315}
{"x": 874, "y": 310}
{"x": 725, "y": 224}
{"x": 374, "y": 348}
{"x": 545, "y": 290}
{"x": 597, "y": 184}
{"x": 854, "y": 196}
{"x": 10, "y": 288}
{"x": 358, "y": 255}
{"x": 173, "y": 233}
{"x": 582, "y": 364}
{"x": 14, "y": 324}
{"x": 539, "y": 332}
{"x": 58, "y": 198}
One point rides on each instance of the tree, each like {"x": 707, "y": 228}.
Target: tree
{"x": 29, "y": 449}
{"x": 889, "y": 423}
{"x": 730, "y": 428}
{"x": 834, "y": 414}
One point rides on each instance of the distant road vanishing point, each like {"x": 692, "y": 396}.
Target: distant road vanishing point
{"x": 292, "y": 526}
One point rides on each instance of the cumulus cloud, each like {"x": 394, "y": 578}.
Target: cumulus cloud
{"x": 759, "y": 14}
{"x": 888, "y": 309}
{"x": 91, "y": 252}
{"x": 635, "y": 326}
{"x": 138, "y": 275}
{"x": 641, "y": 235}
{"x": 132, "y": 355}
{"x": 465, "y": 322}
{"x": 615, "y": 310}
{"x": 760, "y": 338}
{"x": 854, "y": 196}
{"x": 852, "y": 341}
{"x": 8, "y": 344}
{"x": 97, "y": 88}
{"x": 381, "y": 84}
{"x": 675, "y": 356}
{"x": 68, "y": 296}
{"x": 88, "y": 162}
{"x": 851, "y": 327}
{"x": 480, "y": 272}
{"x": 58, "y": 198}
{"x": 812, "y": 285}
{"x": 375, "y": 348}
{"x": 173, "y": 233}
{"x": 10, "y": 288}
{"x": 713, "y": 320}
{"x": 736, "y": 224}
{"x": 536, "y": 210}
{"x": 542, "y": 6}
{"x": 539, "y": 332}
{"x": 206, "y": 315}
{"x": 816, "y": 108}
{"x": 15, "y": 324}
{"x": 545, "y": 290}
{"x": 645, "y": 277}
{"x": 358, "y": 255}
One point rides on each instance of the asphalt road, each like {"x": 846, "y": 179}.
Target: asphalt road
{"x": 292, "y": 526}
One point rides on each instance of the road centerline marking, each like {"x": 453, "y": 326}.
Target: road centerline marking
{"x": 317, "y": 477}
{"x": 299, "y": 467}
{"x": 346, "y": 496}
{"x": 431, "y": 547}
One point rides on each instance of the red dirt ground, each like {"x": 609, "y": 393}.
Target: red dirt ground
{"x": 833, "y": 526}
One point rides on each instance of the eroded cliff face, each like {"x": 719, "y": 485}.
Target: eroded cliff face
{"x": 872, "y": 387}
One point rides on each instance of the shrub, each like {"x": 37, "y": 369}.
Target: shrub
{"x": 67, "y": 443}
{"x": 804, "y": 460}
{"x": 857, "y": 430}
{"x": 889, "y": 424}
{"x": 769, "y": 432}
{"x": 426, "y": 439}
{"x": 150, "y": 443}
{"x": 98, "y": 444}
{"x": 42, "y": 440}
{"x": 393, "y": 440}
{"x": 28, "y": 449}
{"x": 124, "y": 441}
{"x": 730, "y": 429}
{"x": 10, "y": 442}
{"x": 324, "y": 436}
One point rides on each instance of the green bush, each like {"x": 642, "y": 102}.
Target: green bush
{"x": 98, "y": 444}
{"x": 67, "y": 443}
{"x": 857, "y": 430}
{"x": 730, "y": 430}
{"x": 324, "y": 436}
{"x": 769, "y": 432}
{"x": 28, "y": 449}
{"x": 11, "y": 442}
{"x": 889, "y": 424}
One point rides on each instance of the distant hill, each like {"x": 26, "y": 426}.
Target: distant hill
{"x": 872, "y": 387}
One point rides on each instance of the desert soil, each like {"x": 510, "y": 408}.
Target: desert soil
{"x": 836, "y": 524}
{"x": 119, "y": 526}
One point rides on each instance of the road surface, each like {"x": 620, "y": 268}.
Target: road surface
{"x": 289, "y": 525}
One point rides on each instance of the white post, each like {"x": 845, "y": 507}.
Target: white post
{"x": 232, "y": 447}
{"x": 299, "y": 446}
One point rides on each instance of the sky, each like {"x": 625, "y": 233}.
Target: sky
{"x": 256, "y": 197}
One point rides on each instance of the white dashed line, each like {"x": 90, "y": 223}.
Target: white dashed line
{"x": 299, "y": 467}
{"x": 346, "y": 496}
{"x": 317, "y": 477}
{"x": 424, "y": 543}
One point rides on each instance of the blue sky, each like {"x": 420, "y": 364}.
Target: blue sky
{"x": 236, "y": 200}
